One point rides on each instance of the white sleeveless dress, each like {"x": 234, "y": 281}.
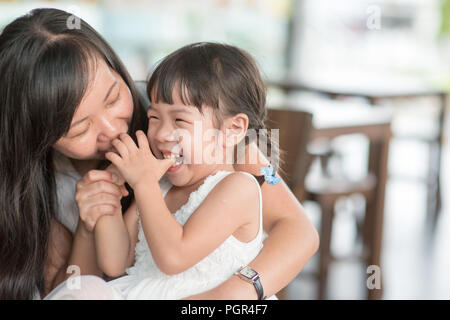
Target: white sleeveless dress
{"x": 145, "y": 281}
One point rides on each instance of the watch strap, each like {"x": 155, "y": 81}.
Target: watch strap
{"x": 259, "y": 288}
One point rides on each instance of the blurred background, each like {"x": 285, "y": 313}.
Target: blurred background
{"x": 358, "y": 89}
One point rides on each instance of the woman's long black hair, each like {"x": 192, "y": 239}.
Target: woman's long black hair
{"x": 45, "y": 65}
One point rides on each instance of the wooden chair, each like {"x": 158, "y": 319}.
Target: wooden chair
{"x": 294, "y": 135}
{"x": 295, "y": 128}
{"x": 297, "y": 154}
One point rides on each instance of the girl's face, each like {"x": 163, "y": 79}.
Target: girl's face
{"x": 180, "y": 130}
{"x": 104, "y": 112}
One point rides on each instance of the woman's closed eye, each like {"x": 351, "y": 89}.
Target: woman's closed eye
{"x": 117, "y": 98}
{"x": 81, "y": 132}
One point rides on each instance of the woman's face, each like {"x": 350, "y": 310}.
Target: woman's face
{"x": 104, "y": 112}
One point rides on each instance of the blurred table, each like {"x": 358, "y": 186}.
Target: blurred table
{"x": 385, "y": 88}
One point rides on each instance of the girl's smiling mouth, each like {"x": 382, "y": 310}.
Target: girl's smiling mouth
{"x": 178, "y": 160}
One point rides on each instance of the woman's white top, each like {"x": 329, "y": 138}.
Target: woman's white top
{"x": 66, "y": 182}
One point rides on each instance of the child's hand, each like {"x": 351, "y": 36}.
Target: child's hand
{"x": 119, "y": 181}
{"x": 137, "y": 163}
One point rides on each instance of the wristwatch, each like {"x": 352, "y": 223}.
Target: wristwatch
{"x": 248, "y": 274}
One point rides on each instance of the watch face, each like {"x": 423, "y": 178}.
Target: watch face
{"x": 248, "y": 272}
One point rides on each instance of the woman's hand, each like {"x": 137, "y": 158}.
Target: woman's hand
{"x": 137, "y": 163}
{"x": 97, "y": 195}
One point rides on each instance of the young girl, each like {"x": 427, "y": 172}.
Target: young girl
{"x": 205, "y": 223}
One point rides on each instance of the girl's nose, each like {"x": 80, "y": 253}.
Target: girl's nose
{"x": 165, "y": 133}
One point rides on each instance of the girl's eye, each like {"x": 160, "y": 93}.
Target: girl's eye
{"x": 178, "y": 120}
{"x": 153, "y": 117}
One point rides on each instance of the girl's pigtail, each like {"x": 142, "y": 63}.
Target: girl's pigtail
{"x": 269, "y": 172}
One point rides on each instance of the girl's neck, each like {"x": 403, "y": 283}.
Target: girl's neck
{"x": 83, "y": 166}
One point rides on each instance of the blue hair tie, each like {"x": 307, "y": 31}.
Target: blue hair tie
{"x": 269, "y": 176}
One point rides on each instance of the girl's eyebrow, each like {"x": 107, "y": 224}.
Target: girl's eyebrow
{"x": 181, "y": 110}
{"x": 174, "y": 109}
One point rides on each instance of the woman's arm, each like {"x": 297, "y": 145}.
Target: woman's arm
{"x": 292, "y": 241}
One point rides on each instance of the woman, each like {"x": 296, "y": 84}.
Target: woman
{"x": 65, "y": 96}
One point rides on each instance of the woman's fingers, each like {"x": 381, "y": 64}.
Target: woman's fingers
{"x": 97, "y": 195}
{"x": 98, "y": 187}
{"x": 124, "y": 190}
{"x": 95, "y": 175}
{"x": 96, "y": 206}
{"x": 103, "y": 198}
{"x": 95, "y": 212}
{"x": 115, "y": 171}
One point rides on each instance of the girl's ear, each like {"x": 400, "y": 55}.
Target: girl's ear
{"x": 235, "y": 129}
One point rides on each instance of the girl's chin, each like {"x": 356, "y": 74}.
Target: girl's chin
{"x": 176, "y": 177}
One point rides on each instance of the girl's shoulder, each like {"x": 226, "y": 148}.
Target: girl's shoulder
{"x": 240, "y": 183}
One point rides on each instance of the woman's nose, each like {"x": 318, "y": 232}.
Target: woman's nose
{"x": 110, "y": 128}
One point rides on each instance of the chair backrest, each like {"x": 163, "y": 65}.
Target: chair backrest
{"x": 295, "y": 129}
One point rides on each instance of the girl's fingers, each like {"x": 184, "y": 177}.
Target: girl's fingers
{"x": 129, "y": 143}
{"x": 114, "y": 158}
{"x": 166, "y": 163}
{"x": 142, "y": 140}
{"x": 121, "y": 148}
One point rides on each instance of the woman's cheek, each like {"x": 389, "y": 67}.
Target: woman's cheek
{"x": 86, "y": 148}
{"x": 125, "y": 110}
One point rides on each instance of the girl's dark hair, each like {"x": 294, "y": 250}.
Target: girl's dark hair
{"x": 221, "y": 76}
{"x": 45, "y": 65}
